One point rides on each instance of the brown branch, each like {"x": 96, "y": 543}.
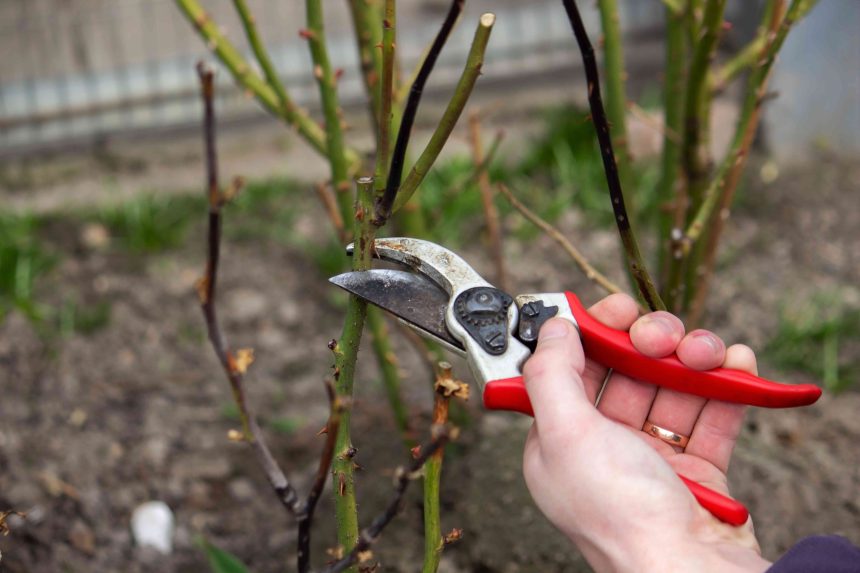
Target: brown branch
{"x": 590, "y": 272}
{"x": 305, "y": 515}
{"x": 368, "y": 536}
{"x": 631, "y": 247}
{"x": 652, "y": 122}
{"x": 234, "y": 365}
{"x": 494, "y": 229}
{"x": 329, "y": 202}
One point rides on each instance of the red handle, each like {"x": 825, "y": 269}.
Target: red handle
{"x": 614, "y": 349}
{"x": 510, "y": 394}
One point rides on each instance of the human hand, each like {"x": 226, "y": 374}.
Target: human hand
{"x": 608, "y": 485}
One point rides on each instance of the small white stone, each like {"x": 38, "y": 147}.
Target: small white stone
{"x": 152, "y": 526}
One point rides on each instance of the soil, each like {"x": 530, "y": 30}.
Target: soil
{"x": 93, "y": 425}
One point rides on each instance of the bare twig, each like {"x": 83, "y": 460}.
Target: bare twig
{"x": 590, "y": 272}
{"x": 329, "y": 202}
{"x": 631, "y": 247}
{"x": 403, "y": 477}
{"x": 234, "y": 364}
{"x": 305, "y": 515}
{"x": 491, "y": 214}
{"x": 654, "y": 123}
{"x": 398, "y": 156}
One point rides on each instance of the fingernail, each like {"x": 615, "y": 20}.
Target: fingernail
{"x": 552, "y": 329}
{"x": 709, "y": 340}
{"x": 662, "y": 323}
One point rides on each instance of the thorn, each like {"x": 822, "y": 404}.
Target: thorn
{"x": 338, "y": 73}
{"x": 416, "y": 452}
{"x": 306, "y": 34}
{"x": 324, "y": 430}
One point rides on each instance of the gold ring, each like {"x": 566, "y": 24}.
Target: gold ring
{"x": 667, "y": 436}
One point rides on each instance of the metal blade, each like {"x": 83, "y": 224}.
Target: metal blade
{"x": 413, "y": 298}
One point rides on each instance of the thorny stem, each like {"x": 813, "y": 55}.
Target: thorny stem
{"x": 491, "y": 213}
{"x": 616, "y": 95}
{"x": 671, "y": 194}
{"x": 345, "y": 352}
{"x": 398, "y": 156}
{"x": 445, "y": 387}
{"x": 694, "y": 153}
{"x": 590, "y": 272}
{"x": 383, "y": 137}
{"x": 245, "y": 76}
{"x": 369, "y": 535}
{"x": 262, "y": 55}
{"x": 327, "y": 82}
{"x": 721, "y": 191}
{"x": 446, "y": 124}
{"x": 206, "y": 289}
{"x": 748, "y": 55}
{"x": 305, "y": 515}
{"x": 365, "y": 19}
{"x": 628, "y": 238}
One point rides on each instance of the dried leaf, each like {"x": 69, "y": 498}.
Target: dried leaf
{"x": 4, "y": 527}
{"x": 448, "y": 387}
{"x": 364, "y": 556}
{"x": 244, "y": 358}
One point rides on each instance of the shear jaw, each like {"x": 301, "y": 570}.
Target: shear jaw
{"x": 455, "y": 276}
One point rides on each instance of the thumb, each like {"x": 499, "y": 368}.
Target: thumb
{"x": 553, "y": 376}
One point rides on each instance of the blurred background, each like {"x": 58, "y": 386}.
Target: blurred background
{"x": 111, "y": 396}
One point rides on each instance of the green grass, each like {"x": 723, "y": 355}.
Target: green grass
{"x": 152, "y": 223}
{"x": 24, "y": 259}
{"x": 813, "y": 337}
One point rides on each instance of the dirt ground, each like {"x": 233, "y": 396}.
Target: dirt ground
{"x": 93, "y": 425}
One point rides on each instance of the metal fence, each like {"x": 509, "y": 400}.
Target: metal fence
{"x": 76, "y": 71}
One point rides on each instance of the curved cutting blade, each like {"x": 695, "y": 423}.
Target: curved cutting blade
{"x": 413, "y": 298}
{"x": 444, "y": 267}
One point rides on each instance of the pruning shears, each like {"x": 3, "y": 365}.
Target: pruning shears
{"x": 444, "y": 299}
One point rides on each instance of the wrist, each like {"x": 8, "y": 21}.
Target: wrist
{"x": 650, "y": 551}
